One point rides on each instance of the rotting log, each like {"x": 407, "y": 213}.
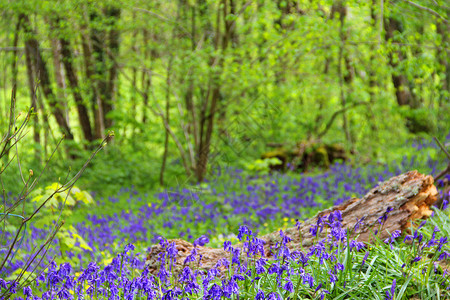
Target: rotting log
{"x": 408, "y": 197}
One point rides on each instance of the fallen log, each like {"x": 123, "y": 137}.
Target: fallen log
{"x": 398, "y": 201}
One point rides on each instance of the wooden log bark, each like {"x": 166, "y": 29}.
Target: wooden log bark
{"x": 407, "y": 197}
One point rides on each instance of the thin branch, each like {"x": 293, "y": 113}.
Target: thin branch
{"x": 447, "y": 169}
{"x": 431, "y": 11}
{"x": 335, "y": 114}
{"x": 161, "y": 17}
{"x": 442, "y": 147}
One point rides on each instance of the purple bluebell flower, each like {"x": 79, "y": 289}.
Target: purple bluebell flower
{"x": 227, "y": 246}
{"x": 274, "y": 296}
{"x": 260, "y": 295}
{"x": 201, "y": 241}
{"x": 390, "y": 295}
{"x": 384, "y": 217}
{"x": 365, "y": 258}
{"x": 289, "y": 286}
{"x": 333, "y": 277}
{"x": 358, "y": 223}
{"x": 64, "y": 294}
{"x": 3, "y": 283}
{"x": 244, "y": 230}
{"x": 416, "y": 259}
{"x": 129, "y": 247}
{"x": 259, "y": 266}
{"x": 322, "y": 294}
{"x": 27, "y": 292}
{"x": 307, "y": 278}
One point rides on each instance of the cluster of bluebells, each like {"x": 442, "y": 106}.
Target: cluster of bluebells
{"x": 320, "y": 271}
{"x": 181, "y": 213}
{"x": 232, "y": 195}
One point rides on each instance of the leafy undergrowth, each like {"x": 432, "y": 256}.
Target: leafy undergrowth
{"x": 334, "y": 268}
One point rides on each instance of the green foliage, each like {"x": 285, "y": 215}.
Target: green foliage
{"x": 61, "y": 205}
{"x": 278, "y": 80}
{"x": 420, "y": 121}
{"x": 262, "y": 166}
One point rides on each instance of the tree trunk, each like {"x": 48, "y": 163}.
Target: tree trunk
{"x": 83, "y": 115}
{"x": 98, "y": 43}
{"x": 400, "y": 81}
{"x": 167, "y": 120}
{"x": 347, "y": 78}
{"x": 209, "y": 105}
{"x": 443, "y": 55}
{"x": 96, "y": 107}
{"x": 113, "y": 14}
{"x": 14, "y": 72}
{"x": 146, "y": 74}
{"x": 59, "y": 74}
{"x": 44, "y": 79}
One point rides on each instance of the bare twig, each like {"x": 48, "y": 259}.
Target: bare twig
{"x": 447, "y": 169}
{"x": 336, "y": 113}
{"x": 427, "y": 9}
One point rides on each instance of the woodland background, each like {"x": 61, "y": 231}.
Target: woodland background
{"x": 191, "y": 85}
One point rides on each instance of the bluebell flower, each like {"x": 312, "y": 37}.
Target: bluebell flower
{"x": 64, "y": 294}
{"x": 191, "y": 257}
{"x": 307, "y": 278}
{"x": 244, "y": 230}
{"x": 12, "y": 287}
{"x": 384, "y": 217}
{"x": 339, "y": 267}
{"x": 259, "y": 266}
{"x": 260, "y": 295}
{"x": 333, "y": 277}
{"x": 274, "y": 296}
{"x": 416, "y": 259}
{"x": 390, "y": 295}
{"x": 215, "y": 292}
{"x": 444, "y": 255}
{"x": 3, "y": 283}
{"x": 27, "y": 292}
{"x": 422, "y": 224}
{"x": 365, "y": 258}
{"x": 358, "y": 223}
{"x": 318, "y": 287}
{"x": 201, "y": 241}
{"x": 289, "y": 286}
{"x": 274, "y": 268}
{"x": 129, "y": 247}
{"x": 322, "y": 294}
{"x": 235, "y": 256}
{"x": 227, "y": 245}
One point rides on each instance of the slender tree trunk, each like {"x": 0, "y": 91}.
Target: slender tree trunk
{"x": 44, "y": 79}
{"x": 345, "y": 80}
{"x": 14, "y": 72}
{"x": 97, "y": 39}
{"x": 209, "y": 107}
{"x": 167, "y": 117}
{"x": 400, "y": 81}
{"x": 83, "y": 115}
{"x": 32, "y": 88}
{"x": 443, "y": 54}
{"x": 96, "y": 107}
{"x": 146, "y": 74}
{"x": 112, "y": 14}
{"x": 134, "y": 48}
{"x": 59, "y": 74}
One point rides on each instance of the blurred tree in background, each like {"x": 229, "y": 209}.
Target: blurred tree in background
{"x": 191, "y": 84}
